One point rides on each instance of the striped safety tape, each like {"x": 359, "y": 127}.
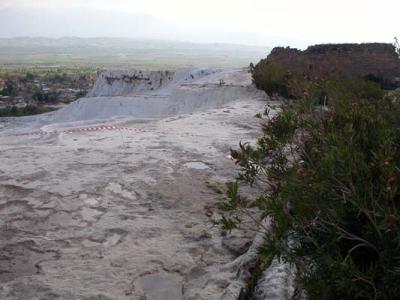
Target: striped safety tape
{"x": 69, "y": 131}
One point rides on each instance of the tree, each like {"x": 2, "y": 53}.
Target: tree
{"x": 46, "y": 97}
{"x": 10, "y": 89}
{"x": 29, "y": 76}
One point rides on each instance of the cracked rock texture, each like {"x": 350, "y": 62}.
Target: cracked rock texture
{"x": 120, "y": 214}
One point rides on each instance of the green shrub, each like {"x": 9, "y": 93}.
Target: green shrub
{"x": 10, "y": 89}
{"x": 46, "y": 96}
{"x": 330, "y": 182}
{"x": 29, "y": 76}
{"x": 274, "y": 79}
{"x": 59, "y": 78}
{"x": 14, "y": 111}
{"x": 80, "y": 94}
{"x": 384, "y": 83}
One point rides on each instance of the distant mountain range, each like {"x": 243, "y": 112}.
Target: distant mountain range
{"x": 74, "y": 45}
{"x": 82, "y": 22}
{"x": 99, "y": 23}
{"x": 69, "y": 36}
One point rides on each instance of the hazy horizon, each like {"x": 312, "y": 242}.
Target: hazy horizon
{"x": 255, "y": 22}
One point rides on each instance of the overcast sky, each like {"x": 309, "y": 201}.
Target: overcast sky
{"x": 293, "y": 22}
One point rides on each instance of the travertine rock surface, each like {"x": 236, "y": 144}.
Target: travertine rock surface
{"x": 120, "y": 214}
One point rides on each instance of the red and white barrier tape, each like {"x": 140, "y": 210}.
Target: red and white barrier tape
{"x": 74, "y": 130}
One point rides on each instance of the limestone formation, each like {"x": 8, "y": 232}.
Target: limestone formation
{"x": 109, "y": 214}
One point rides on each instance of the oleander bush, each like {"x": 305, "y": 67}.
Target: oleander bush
{"x": 275, "y": 79}
{"x": 329, "y": 178}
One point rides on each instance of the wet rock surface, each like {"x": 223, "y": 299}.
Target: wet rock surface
{"x": 120, "y": 215}
{"x": 161, "y": 286}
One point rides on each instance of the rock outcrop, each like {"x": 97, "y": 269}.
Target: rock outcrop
{"x": 377, "y": 61}
{"x": 146, "y": 94}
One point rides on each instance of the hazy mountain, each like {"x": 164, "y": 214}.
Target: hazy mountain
{"x": 100, "y": 23}
{"x": 110, "y": 45}
{"x": 95, "y": 36}
{"x": 83, "y": 23}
